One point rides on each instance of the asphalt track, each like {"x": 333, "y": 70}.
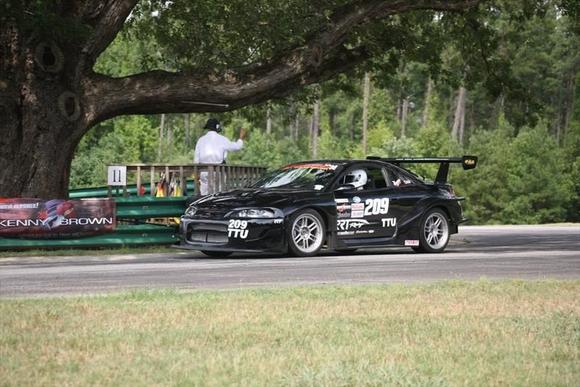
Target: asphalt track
{"x": 493, "y": 252}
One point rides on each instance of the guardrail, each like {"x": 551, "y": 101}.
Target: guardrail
{"x": 138, "y": 203}
{"x": 221, "y": 177}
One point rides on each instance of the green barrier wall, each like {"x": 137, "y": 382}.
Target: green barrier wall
{"x": 133, "y": 213}
{"x": 103, "y": 192}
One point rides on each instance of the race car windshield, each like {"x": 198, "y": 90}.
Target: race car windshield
{"x": 303, "y": 176}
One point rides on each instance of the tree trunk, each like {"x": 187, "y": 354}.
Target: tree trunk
{"x": 459, "y": 117}
{"x": 351, "y": 129}
{"x": 332, "y": 120}
{"x": 427, "y": 103}
{"x": 404, "y": 114}
{"x": 498, "y": 106}
{"x": 169, "y": 134}
{"x": 161, "y": 136}
{"x": 269, "y": 120}
{"x": 40, "y": 116}
{"x": 314, "y": 129}
{"x": 566, "y": 105}
{"x": 366, "y": 96}
{"x": 296, "y": 128}
{"x": 187, "y": 130}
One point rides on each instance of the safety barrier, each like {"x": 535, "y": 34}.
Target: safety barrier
{"x": 220, "y": 177}
{"x": 137, "y": 204}
{"x": 133, "y": 227}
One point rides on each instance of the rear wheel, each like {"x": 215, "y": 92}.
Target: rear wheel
{"x": 306, "y": 233}
{"x": 217, "y": 254}
{"x": 434, "y": 232}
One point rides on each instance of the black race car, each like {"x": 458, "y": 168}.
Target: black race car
{"x": 341, "y": 205}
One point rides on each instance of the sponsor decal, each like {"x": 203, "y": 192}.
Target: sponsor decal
{"x": 389, "y": 222}
{"x": 364, "y": 232}
{"x": 343, "y": 210}
{"x": 343, "y": 207}
{"x": 238, "y": 229}
{"x": 278, "y": 221}
{"x": 411, "y": 242}
{"x": 469, "y": 162}
{"x": 34, "y": 218}
{"x": 349, "y": 224}
{"x": 345, "y": 233}
{"x": 341, "y": 200}
{"x": 357, "y": 206}
{"x": 322, "y": 166}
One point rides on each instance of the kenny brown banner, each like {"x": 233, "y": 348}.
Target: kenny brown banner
{"x": 56, "y": 218}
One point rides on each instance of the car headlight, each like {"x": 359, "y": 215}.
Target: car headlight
{"x": 255, "y": 213}
{"x": 191, "y": 210}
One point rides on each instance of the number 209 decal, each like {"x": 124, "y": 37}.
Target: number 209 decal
{"x": 238, "y": 229}
{"x": 376, "y": 206}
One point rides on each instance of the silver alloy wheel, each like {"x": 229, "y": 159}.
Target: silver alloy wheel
{"x": 307, "y": 233}
{"x": 436, "y": 231}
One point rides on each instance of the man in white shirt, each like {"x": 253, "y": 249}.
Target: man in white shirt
{"x": 213, "y": 148}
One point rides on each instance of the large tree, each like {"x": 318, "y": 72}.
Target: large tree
{"x": 224, "y": 55}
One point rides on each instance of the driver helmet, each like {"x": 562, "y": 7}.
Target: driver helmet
{"x": 357, "y": 178}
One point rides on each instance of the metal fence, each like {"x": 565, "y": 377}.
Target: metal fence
{"x": 220, "y": 177}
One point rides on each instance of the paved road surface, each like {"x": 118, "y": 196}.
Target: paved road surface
{"x": 527, "y": 252}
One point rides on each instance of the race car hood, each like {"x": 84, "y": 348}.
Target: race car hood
{"x": 221, "y": 203}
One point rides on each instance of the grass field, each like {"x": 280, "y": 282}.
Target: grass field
{"x": 451, "y": 333}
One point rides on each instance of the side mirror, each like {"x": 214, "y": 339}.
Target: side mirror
{"x": 344, "y": 187}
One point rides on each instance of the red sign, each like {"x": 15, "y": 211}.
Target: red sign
{"x": 56, "y": 218}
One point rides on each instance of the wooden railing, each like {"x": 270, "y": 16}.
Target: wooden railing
{"x": 221, "y": 177}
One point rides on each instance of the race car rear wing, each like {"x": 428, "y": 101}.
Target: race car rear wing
{"x": 467, "y": 162}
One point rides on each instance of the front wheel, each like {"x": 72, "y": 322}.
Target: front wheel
{"x": 306, "y": 233}
{"x": 434, "y": 232}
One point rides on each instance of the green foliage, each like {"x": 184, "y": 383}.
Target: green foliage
{"x": 571, "y": 152}
{"x": 260, "y": 149}
{"x": 517, "y": 60}
{"x": 378, "y": 134}
{"x": 518, "y": 180}
{"x": 123, "y": 140}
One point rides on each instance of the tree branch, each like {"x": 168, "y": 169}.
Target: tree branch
{"x": 166, "y": 92}
{"x": 107, "y": 19}
{"x": 323, "y": 56}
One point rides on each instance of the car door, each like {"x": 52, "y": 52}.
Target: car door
{"x": 364, "y": 212}
{"x": 405, "y": 193}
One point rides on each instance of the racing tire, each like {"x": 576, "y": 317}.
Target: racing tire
{"x": 306, "y": 233}
{"x": 216, "y": 254}
{"x": 433, "y": 232}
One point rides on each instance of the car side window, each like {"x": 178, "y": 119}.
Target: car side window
{"x": 376, "y": 178}
{"x": 399, "y": 179}
{"x": 365, "y": 178}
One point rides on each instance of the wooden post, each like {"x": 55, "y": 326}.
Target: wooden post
{"x": 211, "y": 180}
{"x": 152, "y": 180}
{"x": 182, "y": 181}
{"x": 196, "y": 181}
{"x": 138, "y": 180}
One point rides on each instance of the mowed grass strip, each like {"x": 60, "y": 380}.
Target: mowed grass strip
{"x": 450, "y": 333}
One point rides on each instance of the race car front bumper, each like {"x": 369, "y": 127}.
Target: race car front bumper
{"x": 235, "y": 235}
